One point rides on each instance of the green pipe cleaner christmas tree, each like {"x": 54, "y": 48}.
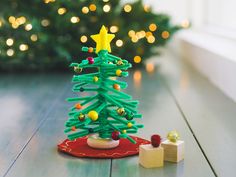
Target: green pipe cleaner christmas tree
{"x": 109, "y": 112}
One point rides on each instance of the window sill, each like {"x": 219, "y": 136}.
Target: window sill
{"x": 213, "y": 56}
{"x": 216, "y": 44}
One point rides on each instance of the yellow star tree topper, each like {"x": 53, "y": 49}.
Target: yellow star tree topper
{"x": 103, "y": 40}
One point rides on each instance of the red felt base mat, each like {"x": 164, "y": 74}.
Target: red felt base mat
{"x": 79, "y": 148}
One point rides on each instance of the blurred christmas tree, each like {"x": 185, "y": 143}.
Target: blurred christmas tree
{"x": 45, "y": 34}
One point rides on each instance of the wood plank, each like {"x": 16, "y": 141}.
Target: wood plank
{"x": 41, "y": 158}
{"x": 24, "y": 100}
{"x": 209, "y": 112}
{"x": 160, "y": 115}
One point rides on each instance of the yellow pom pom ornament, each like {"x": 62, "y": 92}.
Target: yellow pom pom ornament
{"x": 95, "y": 78}
{"x": 93, "y": 115}
{"x": 173, "y": 136}
{"x": 129, "y": 125}
{"x": 118, "y": 72}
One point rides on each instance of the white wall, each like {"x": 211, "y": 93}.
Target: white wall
{"x": 221, "y": 13}
{"x": 177, "y": 9}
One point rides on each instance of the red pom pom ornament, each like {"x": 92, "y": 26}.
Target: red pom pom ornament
{"x": 115, "y": 135}
{"x": 90, "y": 60}
{"x": 155, "y": 140}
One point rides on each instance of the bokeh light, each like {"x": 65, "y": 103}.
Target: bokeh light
{"x": 10, "y": 52}
{"x": 146, "y": 8}
{"x": 92, "y": 7}
{"x": 61, "y": 11}
{"x": 134, "y": 39}
{"x": 85, "y": 10}
{"x": 9, "y": 41}
{"x": 114, "y": 29}
{"x": 165, "y": 34}
{"x": 15, "y": 25}
{"x": 148, "y": 34}
{"x": 23, "y": 47}
{"x": 83, "y": 39}
{"x": 137, "y": 59}
{"x": 49, "y": 1}
{"x": 140, "y": 34}
{"x": 185, "y": 24}
{"x": 34, "y": 37}
{"x": 131, "y": 33}
{"x": 28, "y": 27}
{"x": 127, "y": 8}
{"x": 21, "y": 20}
{"x": 119, "y": 43}
{"x": 152, "y": 27}
{"x": 74, "y": 19}
{"x": 106, "y": 8}
{"x": 45, "y": 22}
{"x": 151, "y": 39}
{"x": 11, "y": 19}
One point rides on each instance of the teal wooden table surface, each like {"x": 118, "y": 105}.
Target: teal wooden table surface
{"x": 33, "y": 111}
